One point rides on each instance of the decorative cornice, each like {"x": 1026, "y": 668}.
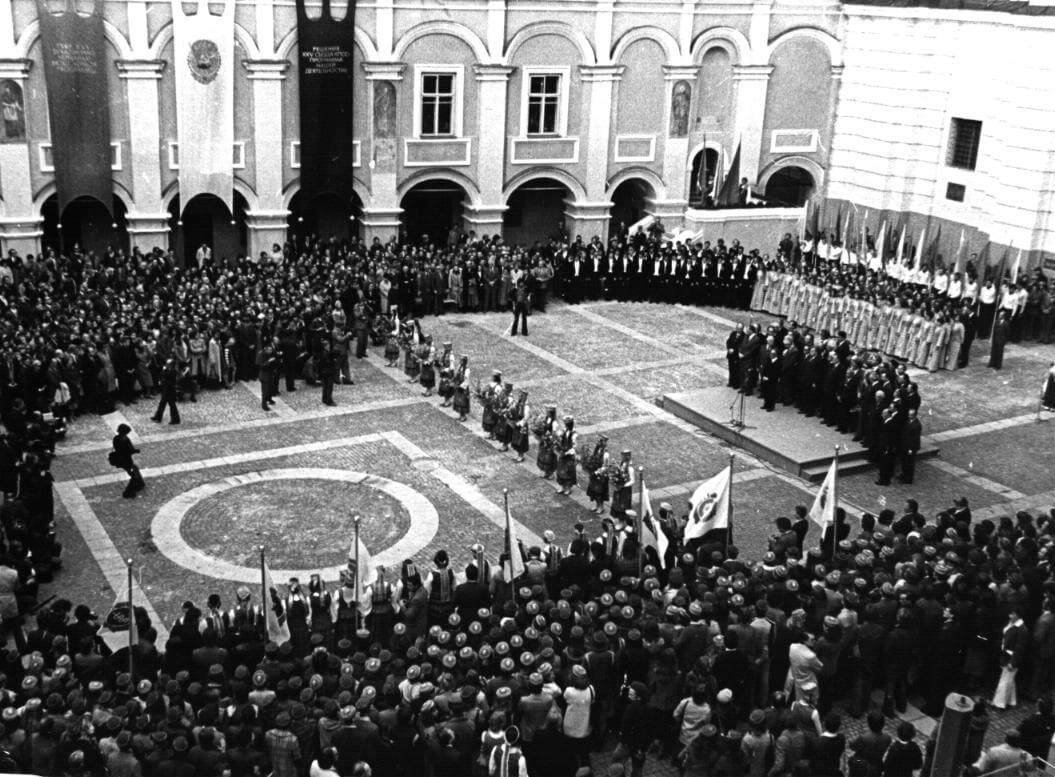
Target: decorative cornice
{"x": 384, "y": 71}
{"x": 608, "y": 73}
{"x": 266, "y": 69}
{"x": 678, "y": 72}
{"x": 15, "y": 68}
{"x": 147, "y": 69}
{"x": 752, "y": 72}
{"x": 493, "y": 72}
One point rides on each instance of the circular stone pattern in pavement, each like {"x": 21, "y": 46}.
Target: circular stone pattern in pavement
{"x": 303, "y": 517}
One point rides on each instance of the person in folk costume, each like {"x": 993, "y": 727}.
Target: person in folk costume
{"x": 320, "y": 605}
{"x": 392, "y": 341}
{"x": 1047, "y": 397}
{"x": 415, "y": 602}
{"x": 385, "y": 604}
{"x": 552, "y": 554}
{"x": 597, "y": 468}
{"x": 507, "y": 759}
{"x": 248, "y": 629}
{"x": 445, "y": 365}
{"x": 217, "y": 619}
{"x": 214, "y": 367}
{"x": 480, "y": 563}
{"x": 623, "y": 492}
{"x": 298, "y": 618}
{"x": 440, "y": 586}
{"x": 520, "y": 435}
{"x": 567, "y": 474}
{"x": 345, "y": 609}
{"x": 547, "y": 441}
{"x": 503, "y": 407}
{"x": 491, "y": 398}
{"x": 411, "y": 364}
{"x": 427, "y": 357}
{"x": 460, "y": 402}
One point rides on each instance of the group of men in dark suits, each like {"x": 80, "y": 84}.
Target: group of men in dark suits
{"x": 639, "y": 269}
{"x": 860, "y": 394}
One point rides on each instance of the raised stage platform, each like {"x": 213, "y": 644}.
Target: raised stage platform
{"x": 785, "y": 438}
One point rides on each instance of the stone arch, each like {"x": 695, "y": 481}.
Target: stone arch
{"x": 361, "y": 190}
{"x": 654, "y": 34}
{"x": 650, "y": 177}
{"x": 733, "y": 41}
{"x": 714, "y": 145}
{"x": 453, "y": 176}
{"x": 455, "y": 30}
{"x": 577, "y": 190}
{"x": 829, "y": 41}
{"x": 48, "y": 189}
{"x": 240, "y": 34}
{"x": 362, "y": 39}
{"x": 807, "y": 164}
{"x": 560, "y": 29}
{"x": 113, "y": 35}
{"x": 172, "y": 190}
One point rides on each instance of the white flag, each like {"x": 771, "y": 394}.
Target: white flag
{"x": 274, "y": 610}
{"x": 823, "y": 511}
{"x": 514, "y": 567}
{"x": 361, "y": 566}
{"x": 652, "y": 536}
{"x": 710, "y": 505}
{"x": 1016, "y": 267}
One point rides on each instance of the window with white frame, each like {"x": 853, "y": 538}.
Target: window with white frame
{"x": 437, "y": 103}
{"x": 544, "y": 102}
{"x": 543, "y": 109}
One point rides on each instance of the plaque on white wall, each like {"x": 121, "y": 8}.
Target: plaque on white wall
{"x": 635, "y": 148}
{"x": 793, "y": 141}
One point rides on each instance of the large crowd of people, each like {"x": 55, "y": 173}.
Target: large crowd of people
{"x": 721, "y": 664}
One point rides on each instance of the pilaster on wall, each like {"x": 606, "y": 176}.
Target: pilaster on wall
{"x": 266, "y": 228}
{"x": 600, "y": 81}
{"x": 752, "y": 84}
{"x": 493, "y": 85}
{"x": 149, "y": 230}
{"x": 267, "y": 76}
{"x": 588, "y": 219}
{"x": 833, "y": 105}
{"x": 141, "y": 77}
{"x": 7, "y": 28}
{"x": 381, "y": 213}
{"x": 676, "y": 162}
{"x": 20, "y": 226}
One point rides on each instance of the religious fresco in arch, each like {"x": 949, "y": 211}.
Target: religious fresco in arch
{"x": 13, "y": 111}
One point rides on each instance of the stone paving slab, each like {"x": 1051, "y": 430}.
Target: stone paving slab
{"x": 652, "y": 384}
{"x": 679, "y": 327}
{"x": 1022, "y": 457}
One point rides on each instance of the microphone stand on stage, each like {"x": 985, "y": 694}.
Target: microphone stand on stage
{"x": 736, "y": 411}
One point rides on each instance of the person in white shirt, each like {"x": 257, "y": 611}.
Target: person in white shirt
{"x": 323, "y": 766}
{"x": 986, "y": 309}
{"x": 970, "y": 291}
{"x": 955, "y": 290}
{"x": 940, "y": 284}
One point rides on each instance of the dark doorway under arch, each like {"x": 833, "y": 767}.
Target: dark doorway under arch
{"x": 535, "y": 211}
{"x": 790, "y": 186}
{"x": 628, "y": 204}
{"x": 432, "y": 209}
{"x": 207, "y": 221}
{"x": 86, "y": 224}
{"x": 323, "y": 218}
{"x": 700, "y": 191}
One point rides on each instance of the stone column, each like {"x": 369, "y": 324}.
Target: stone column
{"x": 676, "y": 162}
{"x": 752, "y": 82}
{"x": 486, "y": 218}
{"x": 148, "y": 219}
{"x": 381, "y": 214}
{"x": 590, "y": 218}
{"x": 266, "y": 222}
{"x": 20, "y": 224}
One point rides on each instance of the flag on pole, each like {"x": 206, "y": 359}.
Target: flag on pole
{"x": 983, "y": 262}
{"x": 881, "y": 245}
{"x": 899, "y": 255}
{"x": 823, "y": 511}
{"x": 514, "y": 567}
{"x": 360, "y": 565}
{"x": 931, "y": 254}
{"x": 275, "y": 612}
{"x": 961, "y": 254}
{"x": 709, "y": 505}
{"x": 730, "y": 191}
{"x": 1016, "y": 267}
{"x": 122, "y": 614}
{"x": 652, "y": 536}
{"x": 918, "y": 254}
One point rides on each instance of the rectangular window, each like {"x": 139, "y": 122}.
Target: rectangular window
{"x": 437, "y": 104}
{"x": 544, "y": 90}
{"x": 955, "y": 192}
{"x": 964, "y": 137}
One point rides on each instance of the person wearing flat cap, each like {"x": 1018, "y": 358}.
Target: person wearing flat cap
{"x": 507, "y": 758}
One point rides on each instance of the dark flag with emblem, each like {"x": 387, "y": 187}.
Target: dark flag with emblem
{"x": 326, "y": 77}
{"x": 75, "y": 71}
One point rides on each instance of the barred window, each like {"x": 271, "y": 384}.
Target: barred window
{"x": 964, "y": 137}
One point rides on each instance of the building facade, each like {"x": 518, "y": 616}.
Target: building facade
{"x": 514, "y": 117}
